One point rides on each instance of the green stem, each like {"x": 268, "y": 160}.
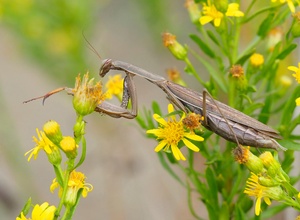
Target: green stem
{"x": 193, "y": 71}
{"x": 59, "y": 174}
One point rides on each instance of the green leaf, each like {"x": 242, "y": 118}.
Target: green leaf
{"x": 204, "y": 47}
{"x": 224, "y": 212}
{"x": 168, "y": 168}
{"x": 156, "y": 108}
{"x": 286, "y": 51}
{"x": 289, "y": 144}
{"x": 213, "y": 37}
{"x": 239, "y": 213}
{"x": 213, "y": 187}
{"x": 26, "y": 207}
{"x": 266, "y": 25}
{"x": 245, "y": 57}
{"x": 190, "y": 202}
{"x": 271, "y": 211}
{"x": 289, "y": 107}
{"x": 217, "y": 76}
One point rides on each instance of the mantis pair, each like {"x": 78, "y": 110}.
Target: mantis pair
{"x": 219, "y": 118}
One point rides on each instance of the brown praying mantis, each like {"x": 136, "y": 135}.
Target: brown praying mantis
{"x": 221, "y": 119}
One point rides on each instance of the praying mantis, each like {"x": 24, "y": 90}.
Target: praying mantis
{"x": 219, "y": 118}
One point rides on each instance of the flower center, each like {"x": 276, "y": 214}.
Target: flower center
{"x": 173, "y": 132}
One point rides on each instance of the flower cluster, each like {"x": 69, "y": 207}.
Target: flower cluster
{"x": 268, "y": 180}
{"x": 86, "y": 97}
{"x": 212, "y": 13}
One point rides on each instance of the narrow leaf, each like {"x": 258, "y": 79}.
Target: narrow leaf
{"x": 204, "y": 47}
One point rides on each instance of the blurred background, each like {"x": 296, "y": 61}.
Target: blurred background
{"x": 43, "y": 48}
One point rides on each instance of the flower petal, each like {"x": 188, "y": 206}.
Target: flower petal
{"x": 190, "y": 145}
{"x": 160, "y": 146}
{"x": 153, "y": 131}
{"x": 193, "y": 137}
{"x": 257, "y": 206}
{"x": 205, "y": 19}
{"x": 177, "y": 153}
{"x": 267, "y": 200}
{"x": 293, "y": 68}
{"x": 160, "y": 119}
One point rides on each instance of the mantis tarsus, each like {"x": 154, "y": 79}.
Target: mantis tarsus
{"x": 221, "y": 119}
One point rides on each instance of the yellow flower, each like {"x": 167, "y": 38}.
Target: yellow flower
{"x": 297, "y": 101}
{"x": 86, "y": 95}
{"x": 171, "y": 132}
{"x": 297, "y": 72}
{"x": 69, "y": 146}
{"x": 42, "y": 143}
{"x": 289, "y": 2}
{"x": 114, "y": 86}
{"x": 254, "y": 188}
{"x": 211, "y": 13}
{"x": 256, "y": 59}
{"x": 75, "y": 183}
{"x": 233, "y": 10}
{"x": 40, "y": 212}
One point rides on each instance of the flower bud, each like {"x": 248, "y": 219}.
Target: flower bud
{"x": 244, "y": 156}
{"x": 256, "y": 60}
{"x": 193, "y": 10}
{"x": 68, "y": 145}
{"x": 296, "y": 25}
{"x": 54, "y": 157}
{"x": 52, "y": 131}
{"x": 86, "y": 95}
{"x": 176, "y": 48}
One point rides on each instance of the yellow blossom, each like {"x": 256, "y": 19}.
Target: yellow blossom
{"x": 289, "y": 3}
{"x": 210, "y": 13}
{"x": 254, "y": 188}
{"x": 297, "y": 101}
{"x": 233, "y": 10}
{"x": 42, "y": 143}
{"x": 171, "y": 132}
{"x": 40, "y": 212}
{"x": 114, "y": 86}
{"x": 297, "y": 72}
{"x": 256, "y": 59}
{"x": 75, "y": 183}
